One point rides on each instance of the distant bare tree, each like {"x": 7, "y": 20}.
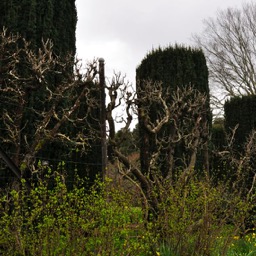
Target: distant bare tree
{"x": 229, "y": 43}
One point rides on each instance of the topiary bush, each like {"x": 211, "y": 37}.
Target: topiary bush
{"x": 174, "y": 67}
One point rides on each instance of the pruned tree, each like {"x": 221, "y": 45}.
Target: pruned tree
{"x": 229, "y": 43}
{"x": 184, "y": 118}
{"x": 26, "y": 75}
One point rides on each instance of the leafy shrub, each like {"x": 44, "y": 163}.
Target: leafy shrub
{"x": 194, "y": 218}
{"x": 56, "y": 221}
{"x": 198, "y": 218}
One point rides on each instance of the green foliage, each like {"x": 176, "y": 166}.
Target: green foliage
{"x": 44, "y": 221}
{"x": 194, "y": 218}
{"x": 245, "y": 246}
{"x": 128, "y": 141}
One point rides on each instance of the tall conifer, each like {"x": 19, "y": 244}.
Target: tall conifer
{"x": 38, "y": 20}
{"x": 42, "y": 19}
{"x": 175, "y": 67}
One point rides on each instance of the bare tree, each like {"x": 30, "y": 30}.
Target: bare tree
{"x": 184, "y": 116}
{"x": 180, "y": 120}
{"x": 58, "y": 88}
{"x": 229, "y": 43}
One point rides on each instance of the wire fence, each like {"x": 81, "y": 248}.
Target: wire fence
{"x": 65, "y": 166}
{"x": 87, "y": 164}
{"x": 65, "y": 160}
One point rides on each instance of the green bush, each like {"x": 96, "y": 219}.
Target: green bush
{"x": 194, "y": 218}
{"x": 55, "y": 221}
{"x": 198, "y": 218}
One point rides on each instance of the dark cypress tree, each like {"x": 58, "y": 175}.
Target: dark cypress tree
{"x": 65, "y": 20}
{"x": 38, "y": 20}
{"x": 42, "y": 19}
{"x": 240, "y": 124}
{"x": 175, "y": 67}
{"x": 219, "y": 166}
{"x": 240, "y": 111}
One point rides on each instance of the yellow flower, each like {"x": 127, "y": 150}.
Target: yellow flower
{"x": 158, "y": 253}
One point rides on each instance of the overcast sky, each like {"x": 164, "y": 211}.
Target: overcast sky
{"x": 124, "y": 31}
